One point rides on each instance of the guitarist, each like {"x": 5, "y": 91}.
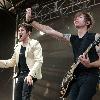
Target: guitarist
{"x": 86, "y": 73}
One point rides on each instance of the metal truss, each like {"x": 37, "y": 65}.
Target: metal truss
{"x": 51, "y": 10}
{"x": 3, "y": 4}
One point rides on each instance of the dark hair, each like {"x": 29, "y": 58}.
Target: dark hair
{"x": 28, "y": 27}
{"x": 87, "y": 16}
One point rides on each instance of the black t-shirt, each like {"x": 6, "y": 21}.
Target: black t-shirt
{"x": 79, "y": 45}
{"x": 22, "y": 60}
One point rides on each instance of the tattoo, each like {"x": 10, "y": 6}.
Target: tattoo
{"x": 98, "y": 46}
{"x": 98, "y": 50}
{"x": 97, "y": 36}
{"x": 67, "y": 36}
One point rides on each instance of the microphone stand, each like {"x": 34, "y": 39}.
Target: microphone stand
{"x": 14, "y": 69}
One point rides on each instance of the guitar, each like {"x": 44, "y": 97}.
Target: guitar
{"x": 69, "y": 78}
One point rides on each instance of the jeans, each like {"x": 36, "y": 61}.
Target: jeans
{"x": 23, "y": 90}
{"x": 84, "y": 87}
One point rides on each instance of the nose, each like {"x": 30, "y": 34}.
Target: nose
{"x": 19, "y": 31}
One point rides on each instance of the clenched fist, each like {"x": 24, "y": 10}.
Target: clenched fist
{"x": 28, "y": 14}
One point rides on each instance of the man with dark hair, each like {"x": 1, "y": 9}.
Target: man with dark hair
{"x": 28, "y": 57}
{"x": 86, "y": 73}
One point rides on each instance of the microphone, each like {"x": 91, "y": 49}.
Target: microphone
{"x": 11, "y": 8}
{"x": 22, "y": 5}
{"x": 16, "y": 7}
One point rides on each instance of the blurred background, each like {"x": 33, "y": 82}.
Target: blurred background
{"x": 57, "y": 55}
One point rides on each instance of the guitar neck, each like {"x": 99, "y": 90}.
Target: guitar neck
{"x": 87, "y": 50}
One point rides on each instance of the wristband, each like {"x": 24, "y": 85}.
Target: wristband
{"x": 29, "y": 22}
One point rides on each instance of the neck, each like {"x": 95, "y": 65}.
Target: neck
{"x": 82, "y": 32}
{"x": 25, "y": 42}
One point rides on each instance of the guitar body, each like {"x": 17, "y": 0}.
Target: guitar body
{"x": 68, "y": 88}
{"x": 67, "y": 82}
{"x": 65, "y": 89}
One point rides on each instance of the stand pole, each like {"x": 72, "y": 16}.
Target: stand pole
{"x": 14, "y": 69}
{"x": 14, "y": 82}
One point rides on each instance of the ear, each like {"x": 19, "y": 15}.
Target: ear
{"x": 29, "y": 33}
{"x": 88, "y": 23}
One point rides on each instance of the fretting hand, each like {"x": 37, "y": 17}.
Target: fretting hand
{"x": 84, "y": 59}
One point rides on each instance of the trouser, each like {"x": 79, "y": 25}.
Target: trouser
{"x": 83, "y": 88}
{"x": 23, "y": 90}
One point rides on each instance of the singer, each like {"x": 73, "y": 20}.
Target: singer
{"x": 28, "y": 57}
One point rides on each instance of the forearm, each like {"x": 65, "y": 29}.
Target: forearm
{"x": 40, "y": 27}
{"x": 5, "y": 64}
{"x": 95, "y": 63}
{"x": 46, "y": 29}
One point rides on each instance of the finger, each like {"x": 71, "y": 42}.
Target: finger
{"x": 81, "y": 57}
{"x": 25, "y": 79}
{"x": 30, "y": 82}
{"x": 83, "y": 60}
{"x": 84, "y": 54}
{"x": 87, "y": 56}
{"x": 84, "y": 63}
{"x": 27, "y": 9}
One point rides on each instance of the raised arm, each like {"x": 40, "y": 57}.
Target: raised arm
{"x": 46, "y": 29}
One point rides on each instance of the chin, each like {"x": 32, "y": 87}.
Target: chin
{"x": 20, "y": 40}
{"x": 77, "y": 27}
